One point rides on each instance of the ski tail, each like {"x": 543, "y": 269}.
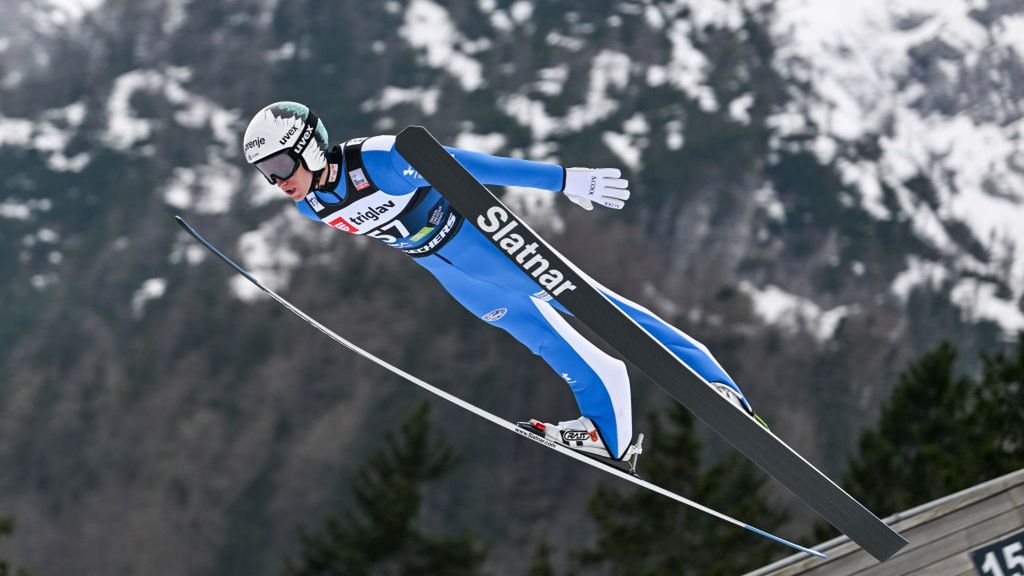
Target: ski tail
{"x": 494, "y": 419}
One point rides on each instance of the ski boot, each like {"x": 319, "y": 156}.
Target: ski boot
{"x": 581, "y": 435}
{"x": 739, "y": 402}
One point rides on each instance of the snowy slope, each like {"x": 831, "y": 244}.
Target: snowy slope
{"x": 938, "y": 84}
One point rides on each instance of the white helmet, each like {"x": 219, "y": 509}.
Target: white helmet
{"x": 282, "y": 135}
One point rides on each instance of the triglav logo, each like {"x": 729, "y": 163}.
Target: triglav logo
{"x": 373, "y": 213}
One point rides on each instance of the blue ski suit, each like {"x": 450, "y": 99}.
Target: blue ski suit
{"x": 372, "y": 190}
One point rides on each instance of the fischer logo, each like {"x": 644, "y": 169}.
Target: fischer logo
{"x": 495, "y": 315}
{"x": 410, "y": 171}
{"x": 288, "y": 135}
{"x": 497, "y": 222}
{"x": 373, "y": 213}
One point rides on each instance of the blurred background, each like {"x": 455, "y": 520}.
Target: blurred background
{"x": 823, "y": 193}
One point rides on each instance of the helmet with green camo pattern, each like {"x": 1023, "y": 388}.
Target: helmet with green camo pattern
{"x": 282, "y": 135}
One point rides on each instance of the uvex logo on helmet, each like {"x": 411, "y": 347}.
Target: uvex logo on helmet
{"x": 287, "y": 135}
{"x": 304, "y": 138}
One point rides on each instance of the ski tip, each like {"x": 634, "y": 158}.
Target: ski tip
{"x": 413, "y": 128}
{"x": 786, "y": 542}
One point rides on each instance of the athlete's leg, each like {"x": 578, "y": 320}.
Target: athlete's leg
{"x": 599, "y": 382}
{"x": 693, "y": 353}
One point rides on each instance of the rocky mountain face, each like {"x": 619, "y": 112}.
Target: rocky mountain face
{"x": 821, "y": 191}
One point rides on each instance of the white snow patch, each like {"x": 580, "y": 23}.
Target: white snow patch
{"x": 65, "y": 12}
{"x": 978, "y": 301}
{"x": 521, "y": 11}
{"x": 429, "y": 28}
{"x": 621, "y": 146}
{"x": 768, "y": 200}
{"x": 259, "y": 192}
{"x": 43, "y": 281}
{"x": 536, "y": 206}
{"x": 609, "y": 74}
{"x": 266, "y": 253}
{"x": 125, "y": 130}
{"x": 47, "y": 236}
{"x": 674, "y": 139}
{"x": 856, "y": 57}
{"x": 14, "y": 210}
{"x": 918, "y": 273}
{"x": 50, "y": 134}
{"x": 285, "y": 51}
{"x": 552, "y": 80}
{"x": 687, "y": 68}
{"x": 18, "y": 209}
{"x": 205, "y": 189}
{"x": 739, "y": 109}
{"x": 391, "y": 96}
{"x": 1010, "y": 33}
{"x": 150, "y": 290}
{"x": 185, "y": 250}
{"x": 795, "y": 314}
{"x": 557, "y": 39}
{"x": 486, "y": 143}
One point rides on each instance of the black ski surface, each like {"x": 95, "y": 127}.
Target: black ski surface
{"x": 484, "y": 210}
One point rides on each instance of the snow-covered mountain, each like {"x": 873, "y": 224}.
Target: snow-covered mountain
{"x": 821, "y": 191}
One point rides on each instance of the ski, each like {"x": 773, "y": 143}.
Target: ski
{"x": 581, "y": 297}
{"x": 490, "y": 417}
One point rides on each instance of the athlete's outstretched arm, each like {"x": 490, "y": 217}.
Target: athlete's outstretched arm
{"x": 582, "y": 185}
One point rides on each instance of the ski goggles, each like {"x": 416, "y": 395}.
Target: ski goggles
{"x": 281, "y": 165}
{"x": 278, "y": 166}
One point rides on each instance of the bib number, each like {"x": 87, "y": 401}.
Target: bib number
{"x": 396, "y": 226}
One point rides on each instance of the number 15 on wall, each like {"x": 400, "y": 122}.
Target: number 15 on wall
{"x": 1003, "y": 558}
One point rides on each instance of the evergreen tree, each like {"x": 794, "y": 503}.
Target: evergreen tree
{"x": 379, "y": 535}
{"x": 997, "y": 415}
{"x": 644, "y": 534}
{"x": 7, "y": 529}
{"x": 940, "y": 433}
{"x": 540, "y": 565}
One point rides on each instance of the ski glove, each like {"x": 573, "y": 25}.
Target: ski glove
{"x": 586, "y": 186}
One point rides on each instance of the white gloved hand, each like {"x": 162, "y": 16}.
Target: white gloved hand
{"x": 603, "y": 186}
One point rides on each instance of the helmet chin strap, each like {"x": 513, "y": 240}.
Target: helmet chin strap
{"x": 314, "y": 182}
{"x": 334, "y": 158}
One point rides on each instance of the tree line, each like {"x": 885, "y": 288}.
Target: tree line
{"x": 940, "y": 431}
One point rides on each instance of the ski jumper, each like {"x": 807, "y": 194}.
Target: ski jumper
{"x": 376, "y": 192}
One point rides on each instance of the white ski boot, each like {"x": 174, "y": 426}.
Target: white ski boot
{"x": 736, "y": 400}
{"x": 581, "y": 435}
